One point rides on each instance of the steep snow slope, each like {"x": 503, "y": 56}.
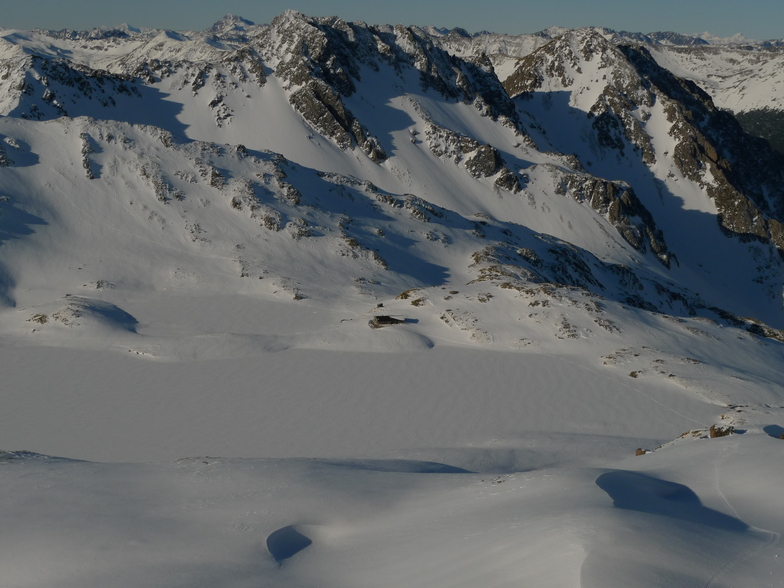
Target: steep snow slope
{"x": 198, "y": 229}
{"x": 616, "y": 100}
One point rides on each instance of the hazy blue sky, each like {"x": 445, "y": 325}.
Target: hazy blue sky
{"x": 760, "y": 19}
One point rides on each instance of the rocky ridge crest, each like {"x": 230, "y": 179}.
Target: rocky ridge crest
{"x": 740, "y": 173}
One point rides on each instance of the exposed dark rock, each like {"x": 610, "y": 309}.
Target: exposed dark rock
{"x": 246, "y": 60}
{"x": 619, "y": 204}
{"x": 507, "y": 180}
{"x": 721, "y": 431}
{"x": 5, "y": 160}
{"x": 60, "y": 81}
{"x": 481, "y": 160}
{"x": 742, "y": 175}
{"x": 485, "y": 162}
{"x": 383, "y": 321}
{"x": 322, "y": 107}
{"x": 329, "y": 53}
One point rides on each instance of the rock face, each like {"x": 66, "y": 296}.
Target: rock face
{"x": 623, "y": 209}
{"x": 741, "y": 174}
{"x": 480, "y": 160}
{"x": 315, "y": 61}
{"x": 43, "y": 89}
{"x": 320, "y": 60}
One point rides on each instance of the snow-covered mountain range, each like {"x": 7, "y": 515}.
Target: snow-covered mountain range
{"x": 567, "y": 245}
{"x": 741, "y": 75}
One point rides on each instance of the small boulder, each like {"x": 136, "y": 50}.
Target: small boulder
{"x": 721, "y": 431}
{"x": 383, "y": 321}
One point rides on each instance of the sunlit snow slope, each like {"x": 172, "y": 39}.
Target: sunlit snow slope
{"x": 425, "y": 311}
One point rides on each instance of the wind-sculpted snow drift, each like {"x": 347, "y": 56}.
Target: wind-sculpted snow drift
{"x": 569, "y": 253}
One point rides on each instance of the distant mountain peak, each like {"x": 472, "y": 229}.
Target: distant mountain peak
{"x": 736, "y": 39}
{"x": 231, "y": 22}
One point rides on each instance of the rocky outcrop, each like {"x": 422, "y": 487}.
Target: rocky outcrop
{"x": 480, "y": 160}
{"x": 618, "y": 203}
{"x": 320, "y": 61}
{"x": 322, "y": 107}
{"x": 43, "y": 89}
{"x": 740, "y": 173}
{"x": 552, "y": 264}
{"x": 559, "y": 65}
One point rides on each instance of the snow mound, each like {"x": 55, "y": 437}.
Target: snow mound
{"x": 80, "y": 313}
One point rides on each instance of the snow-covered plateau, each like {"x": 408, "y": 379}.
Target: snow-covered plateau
{"x": 318, "y": 303}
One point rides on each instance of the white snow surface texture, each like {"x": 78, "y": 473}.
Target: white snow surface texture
{"x": 582, "y": 384}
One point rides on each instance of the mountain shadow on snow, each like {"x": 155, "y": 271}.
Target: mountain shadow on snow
{"x": 647, "y": 494}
